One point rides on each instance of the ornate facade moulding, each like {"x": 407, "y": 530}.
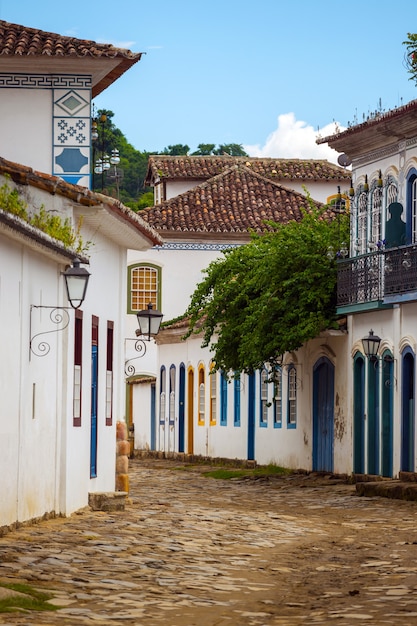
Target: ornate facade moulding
{"x": 44, "y": 81}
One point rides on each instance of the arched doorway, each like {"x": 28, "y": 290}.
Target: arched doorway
{"x": 359, "y": 414}
{"x": 407, "y": 411}
{"x": 190, "y": 412}
{"x": 323, "y": 415}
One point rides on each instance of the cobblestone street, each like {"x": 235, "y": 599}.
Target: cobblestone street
{"x": 194, "y": 551}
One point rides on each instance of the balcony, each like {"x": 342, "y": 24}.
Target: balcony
{"x": 377, "y": 280}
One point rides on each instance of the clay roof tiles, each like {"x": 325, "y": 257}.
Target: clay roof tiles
{"x": 238, "y": 200}
{"x": 204, "y": 167}
{"x": 21, "y": 41}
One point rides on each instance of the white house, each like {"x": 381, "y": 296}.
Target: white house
{"x": 62, "y": 381}
{"x": 190, "y": 411}
{"x": 377, "y": 289}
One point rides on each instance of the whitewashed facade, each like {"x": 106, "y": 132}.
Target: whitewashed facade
{"x": 62, "y": 384}
{"x": 378, "y": 290}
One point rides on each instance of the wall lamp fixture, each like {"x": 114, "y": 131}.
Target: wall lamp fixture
{"x": 76, "y": 282}
{"x": 149, "y": 321}
{"x": 370, "y": 346}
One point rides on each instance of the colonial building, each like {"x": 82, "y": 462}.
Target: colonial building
{"x": 61, "y": 372}
{"x": 377, "y": 289}
{"x": 299, "y": 422}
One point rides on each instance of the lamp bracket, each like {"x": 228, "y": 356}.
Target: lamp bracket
{"x": 59, "y": 316}
{"x": 140, "y": 347}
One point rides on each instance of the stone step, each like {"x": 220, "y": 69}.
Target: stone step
{"x": 108, "y": 501}
{"x": 400, "y": 490}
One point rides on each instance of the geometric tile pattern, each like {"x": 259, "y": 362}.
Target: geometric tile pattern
{"x": 72, "y": 135}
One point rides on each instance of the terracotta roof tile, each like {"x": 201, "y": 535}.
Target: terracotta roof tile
{"x": 24, "y": 175}
{"x": 21, "y": 41}
{"x": 237, "y": 201}
{"x": 204, "y": 167}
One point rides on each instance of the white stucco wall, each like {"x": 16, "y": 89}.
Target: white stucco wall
{"x": 30, "y": 386}
{"x": 285, "y": 446}
{"x": 318, "y": 190}
{"x": 26, "y": 127}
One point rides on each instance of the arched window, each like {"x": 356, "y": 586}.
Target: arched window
{"x": 213, "y": 395}
{"x": 412, "y": 206}
{"x": 223, "y": 399}
{"x": 162, "y": 395}
{"x": 362, "y": 223}
{"x": 172, "y": 373}
{"x": 278, "y": 398}
{"x": 236, "y": 398}
{"x": 144, "y": 286}
{"x": 292, "y": 397}
{"x": 201, "y": 396}
{"x": 263, "y": 415}
{"x": 376, "y": 215}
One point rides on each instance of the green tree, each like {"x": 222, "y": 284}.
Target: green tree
{"x": 204, "y": 149}
{"x": 271, "y": 295}
{"x": 233, "y": 149}
{"x": 128, "y": 185}
{"x": 411, "y": 55}
{"x": 178, "y": 149}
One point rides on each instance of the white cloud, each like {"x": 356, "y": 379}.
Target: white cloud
{"x": 296, "y": 140}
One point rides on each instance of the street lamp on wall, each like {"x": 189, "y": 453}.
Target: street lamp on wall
{"x": 149, "y": 321}
{"x": 371, "y": 345}
{"x": 76, "y": 281}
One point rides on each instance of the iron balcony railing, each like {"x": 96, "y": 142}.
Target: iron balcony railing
{"x": 372, "y": 277}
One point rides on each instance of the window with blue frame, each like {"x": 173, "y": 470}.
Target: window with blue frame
{"x": 201, "y": 396}
{"x": 412, "y": 206}
{"x": 223, "y": 399}
{"x": 292, "y": 397}
{"x": 172, "y": 372}
{"x": 213, "y": 395}
{"x": 278, "y": 398}
{"x": 236, "y": 398}
{"x": 263, "y": 415}
{"x": 162, "y": 395}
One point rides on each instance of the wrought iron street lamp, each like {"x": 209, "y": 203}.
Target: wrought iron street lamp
{"x": 371, "y": 345}
{"x": 76, "y": 281}
{"x": 149, "y": 321}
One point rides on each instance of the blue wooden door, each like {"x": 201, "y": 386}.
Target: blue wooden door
{"x": 373, "y": 447}
{"x": 153, "y": 416}
{"x": 359, "y": 415}
{"x": 93, "y": 433}
{"x": 387, "y": 415}
{"x": 407, "y": 412}
{"x": 323, "y": 415}
{"x": 181, "y": 410}
{"x": 251, "y": 417}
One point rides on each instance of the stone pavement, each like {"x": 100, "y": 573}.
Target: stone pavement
{"x": 194, "y": 551}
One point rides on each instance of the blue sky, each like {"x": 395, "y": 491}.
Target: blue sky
{"x": 265, "y": 73}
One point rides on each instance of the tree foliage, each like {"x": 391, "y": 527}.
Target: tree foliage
{"x": 411, "y": 55}
{"x": 271, "y": 295}
{"x": 178, "y": 149}
{"x": 233, "y": 149}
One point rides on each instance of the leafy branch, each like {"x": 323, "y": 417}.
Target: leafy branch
{"x": 272, "y": 295}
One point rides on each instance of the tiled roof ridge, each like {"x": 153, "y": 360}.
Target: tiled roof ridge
{"x": 373, "y": 121}
{"x": 205, "y": 166}
{"x": 19, "y": 40}
{"x": 238, "y": 201}
{"x": 24, "y": 175}
{"x": 214, "y": 179}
